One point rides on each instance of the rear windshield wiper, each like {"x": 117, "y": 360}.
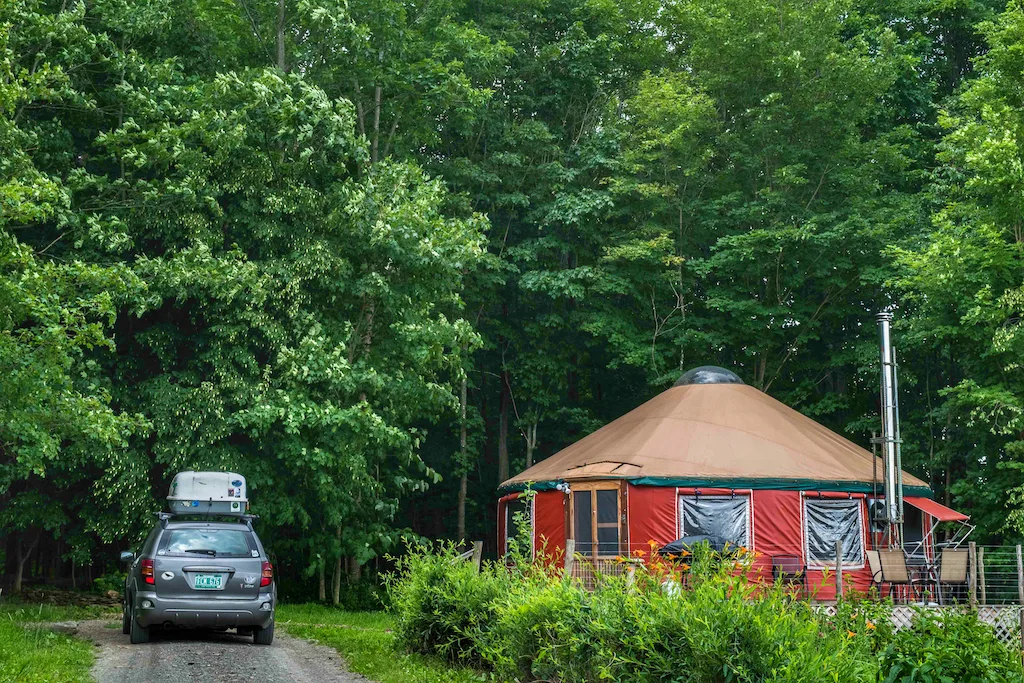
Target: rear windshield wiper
{"x": 203, "y": 551}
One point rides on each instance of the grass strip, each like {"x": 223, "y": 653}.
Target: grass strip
{"x": 366, "y": 642}
{"x": 38, "y": 655}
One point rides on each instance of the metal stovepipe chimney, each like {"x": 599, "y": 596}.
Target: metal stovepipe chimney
{"x": 893, "y": 475}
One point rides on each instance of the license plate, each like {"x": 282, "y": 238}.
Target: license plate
{"x": 207, "y": 582}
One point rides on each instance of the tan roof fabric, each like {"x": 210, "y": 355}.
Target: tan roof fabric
{"x": 711, "y": 431}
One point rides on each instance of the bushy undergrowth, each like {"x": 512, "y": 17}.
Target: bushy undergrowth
{"x": 528, "y": 623}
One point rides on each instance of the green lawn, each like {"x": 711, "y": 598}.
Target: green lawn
{"x": 34, "y": 656}
{"x": 365, "y": 641}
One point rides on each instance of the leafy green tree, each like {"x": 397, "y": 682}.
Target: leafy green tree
{"x": 57, "y": 432}
{"x": 963, "y": 284}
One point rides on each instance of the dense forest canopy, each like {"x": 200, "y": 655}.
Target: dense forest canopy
{"x": 377, "y": 256}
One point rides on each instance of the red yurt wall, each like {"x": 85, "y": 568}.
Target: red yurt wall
{"x": 777, "y": 529}
{"x": 548, "y": 513}
{"x": 651, "y": 515}
{"x": 549, "y": 510}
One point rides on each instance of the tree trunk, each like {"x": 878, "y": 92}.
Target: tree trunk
{"x": 463, "y": 482}
{"x": 23, "y": 555}
{"x": 355, "y": 570}
{"x": 503, "y": 429}
{"x": 280, "y": 36}
{"x": 463, "y": 486}
{"x": 376, "y": 124}
{"x": 531, "y": 443}
{"x": 336, "y": 585}
{"x": 322, "y": 592}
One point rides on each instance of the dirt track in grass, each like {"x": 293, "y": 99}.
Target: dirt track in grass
{"x": 179, "y": 656}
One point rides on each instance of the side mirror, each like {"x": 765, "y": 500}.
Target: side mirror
{"x": 127, "y": 556}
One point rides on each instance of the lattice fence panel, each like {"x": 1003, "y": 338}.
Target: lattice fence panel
{"x": 1004, "y": 620}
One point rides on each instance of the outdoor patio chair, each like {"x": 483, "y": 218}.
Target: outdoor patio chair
{"x": 952, "y": 569}
{"x": 790, "y": 570}
{"x": 875, "y": 565}
{"x": 893, "y": 564}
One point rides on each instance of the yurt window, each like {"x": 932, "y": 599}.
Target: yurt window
{"x": 727, "y": 517}
{"x": 595, "y": 514}
{"x": 829, "y": 520}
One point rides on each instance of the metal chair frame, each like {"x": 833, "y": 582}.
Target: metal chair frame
{"x": 783, "y": 569}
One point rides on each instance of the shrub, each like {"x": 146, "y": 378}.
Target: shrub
{"x": 111, "y": 581}
{"x": 540, "y": 631}
{"x": 951, "y": 646}
{"x": 526, "y": 622}
{"x": 441, "y": 604}
{"x": 721, "y": 629}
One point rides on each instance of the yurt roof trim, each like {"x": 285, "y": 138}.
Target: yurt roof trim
{"x": 737, "y": 484}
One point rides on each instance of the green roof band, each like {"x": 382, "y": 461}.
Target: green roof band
{"x": 759, "y": 484}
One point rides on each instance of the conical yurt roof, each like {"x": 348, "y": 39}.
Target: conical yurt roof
{"x": 712, "y": 430}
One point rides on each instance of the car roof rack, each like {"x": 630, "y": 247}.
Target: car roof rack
{"x": 165, "y": 517}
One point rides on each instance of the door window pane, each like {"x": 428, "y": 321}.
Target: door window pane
{"x": 583, "y": 523}
{"x": 608, "y": 507}
{"x": 607, "y": 540}
{"x": 607, "y": 522}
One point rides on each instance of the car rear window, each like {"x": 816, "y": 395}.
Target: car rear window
{"x": 210, "y": 542}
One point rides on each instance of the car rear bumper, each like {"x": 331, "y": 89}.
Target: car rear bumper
{"x": 202, "y": 613}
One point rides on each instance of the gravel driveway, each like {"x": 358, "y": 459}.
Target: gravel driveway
{"x": 180, "y": 656}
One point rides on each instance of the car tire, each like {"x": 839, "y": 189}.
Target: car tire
{"x": 263, "y": 636}
{"x": 126, "y": 619}
{"x": 138, "y": 634}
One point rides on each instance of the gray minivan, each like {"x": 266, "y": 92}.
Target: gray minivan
{"x": 202, "y": 574}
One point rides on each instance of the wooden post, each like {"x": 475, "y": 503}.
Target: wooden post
{"x": 839, "y": 570}
{"x": 478, "y": 554}
{"x": 570, "y": 556}
{"x": 972, "y": 567}
{"x": 981, "y": 574}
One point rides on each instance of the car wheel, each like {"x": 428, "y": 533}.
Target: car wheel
{"x": 138, "y": 633}
{"x": 263, "y": 636}
{"x": 126, "y": 619}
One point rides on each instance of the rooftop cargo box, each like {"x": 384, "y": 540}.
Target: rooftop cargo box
{"x": 208, "y": 493}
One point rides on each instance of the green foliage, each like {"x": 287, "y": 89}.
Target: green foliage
{"x": 38, "y": 655}
{"x": 953, "y": 646}
{"x": 278, "y": 242}
{"x": 113, "y": 581}
{"x": 442, "y": 606}
{"x": 531, "y": 623}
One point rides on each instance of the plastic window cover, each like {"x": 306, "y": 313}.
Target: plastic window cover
{"x": 511, "y": 508}
{"x": 827, "y": 521}
{"x": 724, "y": 516}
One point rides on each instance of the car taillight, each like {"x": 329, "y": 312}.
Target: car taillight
{"x": 268, "y": 575}
{"x": 147, "y": 572}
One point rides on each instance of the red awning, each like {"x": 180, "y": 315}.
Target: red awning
{"x": 936, "y": 510}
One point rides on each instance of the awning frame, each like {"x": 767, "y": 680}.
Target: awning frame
{"x": 959, "y": 536}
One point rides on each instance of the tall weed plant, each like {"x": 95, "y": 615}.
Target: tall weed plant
{"x": 695, "y": 619}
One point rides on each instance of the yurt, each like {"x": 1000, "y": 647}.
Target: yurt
{"x": 714, "y": 456}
